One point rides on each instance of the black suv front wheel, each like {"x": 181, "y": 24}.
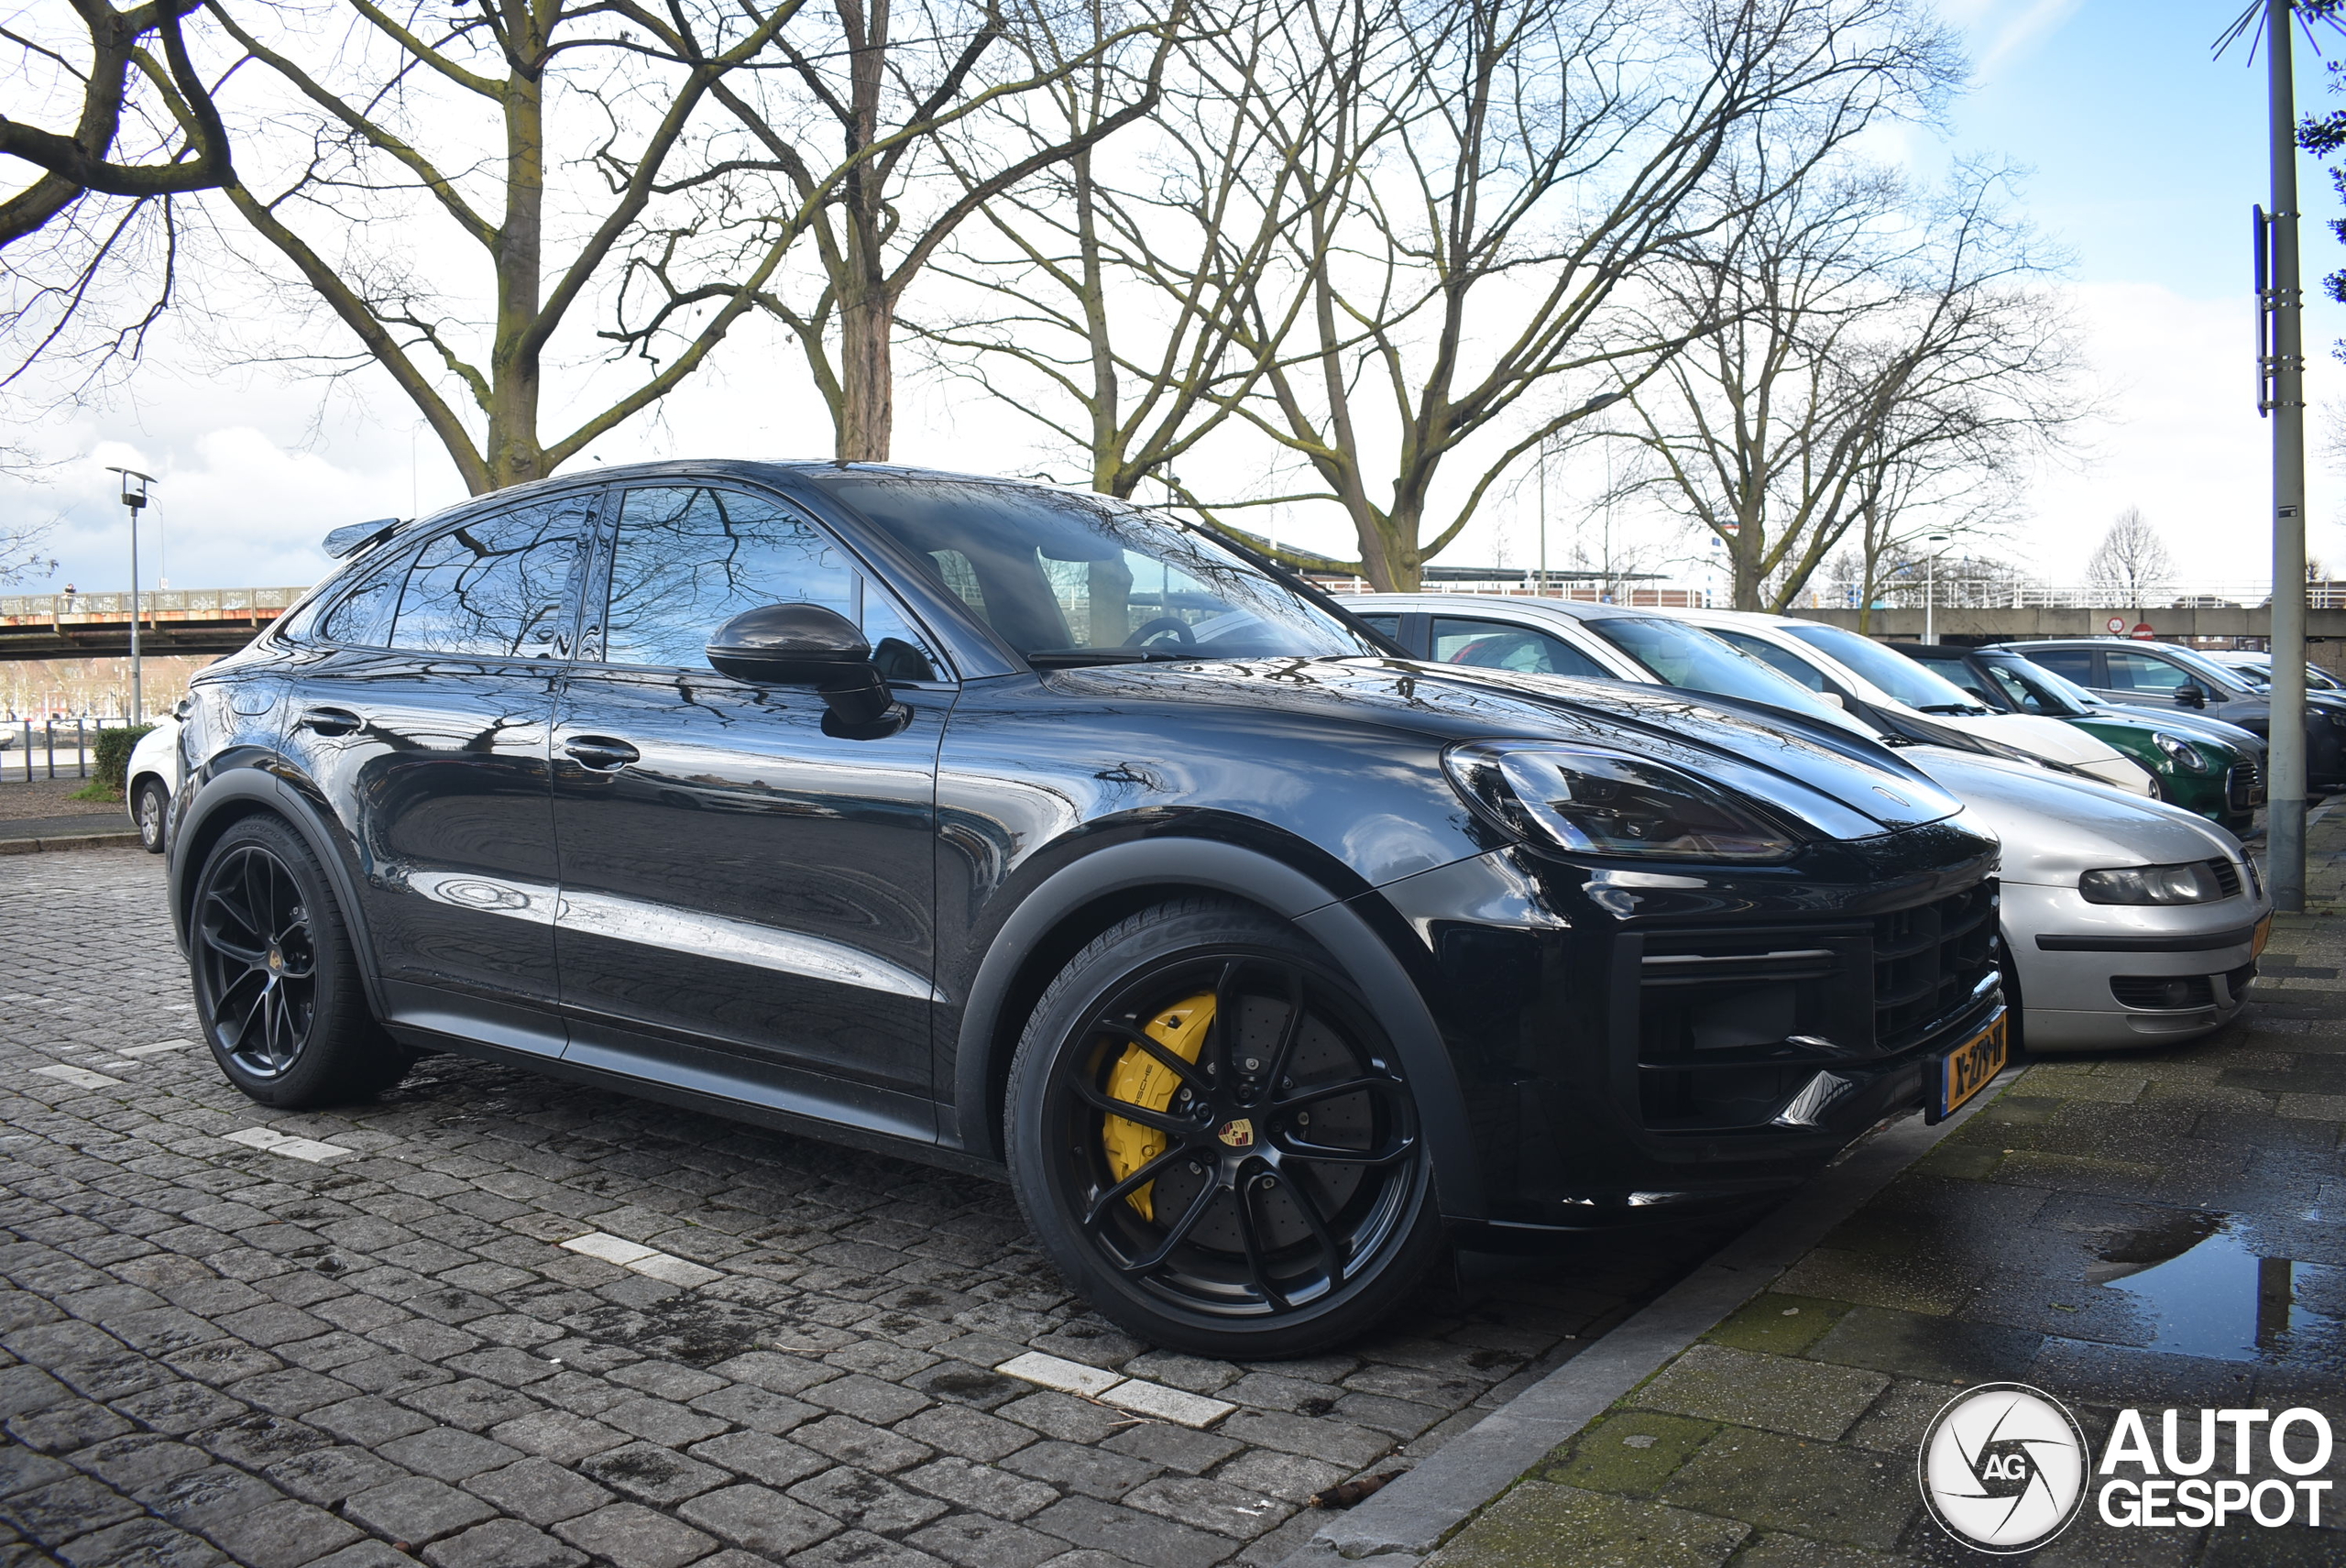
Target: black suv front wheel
{"x": 277, "y": 986}
{"x": 1213, "y": 1139}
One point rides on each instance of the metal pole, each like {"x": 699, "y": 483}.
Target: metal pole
{"x": 2285, "y": 797}
{"x": 1930, "y": 595}
{"x": 136, "y": 695}
{"x": 1543, "y": 519}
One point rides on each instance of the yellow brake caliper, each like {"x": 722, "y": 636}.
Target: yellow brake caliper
{"x": 1141, "y": 1079}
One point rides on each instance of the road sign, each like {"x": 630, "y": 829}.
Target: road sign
{"x": 2143, "y": 632}
{"x": 2116, "y": 625}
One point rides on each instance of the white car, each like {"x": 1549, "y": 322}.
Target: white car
{"x": 2124, "y": 921}
{"x": 150, "y": 781}
{"x": 1835, "y": 660}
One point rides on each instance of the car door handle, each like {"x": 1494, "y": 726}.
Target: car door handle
{"x": 599, "y": 752}
{"x": 332, "y": 721}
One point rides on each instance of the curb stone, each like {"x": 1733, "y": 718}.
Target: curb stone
{"x": 85, "y": 841}
{"x": 1414, "y": 1515}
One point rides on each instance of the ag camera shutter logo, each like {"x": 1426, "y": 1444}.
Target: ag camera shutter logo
{"x": 2004, "y": 1467}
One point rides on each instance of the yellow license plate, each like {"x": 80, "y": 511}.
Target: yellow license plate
{"x": 1966, "y": 1069}
{"x": 2263, "y": 933}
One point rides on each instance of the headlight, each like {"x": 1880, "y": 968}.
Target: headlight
{"x": 1605, "y": 803}
{"x": 2181, "y": 752}
{"x": 2192, "y": 883}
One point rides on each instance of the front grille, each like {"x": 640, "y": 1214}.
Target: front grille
{"x": 2236, "y": 981}
{"x": 2240, "y": 787}
{"x": 1929, "y": 959}
{"x": 2227, "y": 878}
{"x": 2162, "y": 992}
{"x": 1734, "y": 1026}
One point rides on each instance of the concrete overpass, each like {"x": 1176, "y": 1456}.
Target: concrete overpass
{"x": 171, "y": 620}
{"x": 1959, "y": 624}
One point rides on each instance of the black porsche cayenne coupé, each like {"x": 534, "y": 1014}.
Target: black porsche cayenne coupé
{"x": 1012, "y": 828}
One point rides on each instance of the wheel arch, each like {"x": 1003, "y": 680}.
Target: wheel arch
{"x": 229, "y": 796}
{"x": 1068, "y": 909}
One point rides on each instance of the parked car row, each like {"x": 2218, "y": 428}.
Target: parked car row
{"x": 1258, "y": 945}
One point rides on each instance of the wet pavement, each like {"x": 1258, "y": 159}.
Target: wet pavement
{"x": 2156, "y": 1229}
{"x": 498, "y": 1321}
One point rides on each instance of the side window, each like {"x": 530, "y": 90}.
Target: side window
{"x": 362, "y": 618}
{"x": 1388, "y": 624}
{"x": 496, "y": 586}
{"x": 2076, "y": 664}
{"x": 1495, "y": 645}
{"x": 691, "y": 558}
{"x": 1775, "y": 658}
{"x": 2022, "y": 698}
{"x": 2140, "y": 673}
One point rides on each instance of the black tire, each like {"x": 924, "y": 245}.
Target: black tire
{"x": 1245, "y": 1240}
{"x": 153, "y": 801}
{"x": 277, "y": 992}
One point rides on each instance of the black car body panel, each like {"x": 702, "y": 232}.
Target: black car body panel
{"x": 694, "y": 888}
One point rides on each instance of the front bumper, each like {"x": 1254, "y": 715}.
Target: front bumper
{"x": 1637, "y": 1048}
{"x": 2098, "y": 976}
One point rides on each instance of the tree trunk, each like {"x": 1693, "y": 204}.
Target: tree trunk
{"x": 867, "y": 378}
{"x": 513, "y": 452}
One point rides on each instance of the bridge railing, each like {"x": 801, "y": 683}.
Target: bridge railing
{"x": 162, "y": 601}
{"x": 1961, "y": 593}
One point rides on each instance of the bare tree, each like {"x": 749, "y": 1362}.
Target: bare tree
{"x": 1542, "y": 154}
{"x": 74, "y": 162}
{"x": 380, "y": 178}
{"x": 2131, "y": 566}
{"x": 1129, "y": 300}
{"x": 925, "y": 110}
{"x": 1871, "y": 368}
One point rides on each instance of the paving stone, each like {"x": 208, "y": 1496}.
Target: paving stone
{"x": 1129, "y": 1534}
{"x": 661, "y": 1421}
{"x": 743, "y": 1405}
{"x": 557, "y": 1435}
{"x": 1231, "y": 1510}
{"x": 447, "y": 1453}
{"x": 502, "y": 1543}
{"x": 631, "y": 1536}
{"x": 977, "y": 1541}
{"x": 989, "y": 1489}
{"x": 965, "y": 1433}
{"x": 863, "y": 1501}
{"x": 1180, "y": 1448}
{"x": 1807, "y": 1398}
{"x": 64, "y": 1508}
{"x": 368, "y": 1420}
{"x": 763, "y": 1457}
{"x": 539, "y": 1491}
{"x": 865, "y": 1447}
{"x": 146, "y": 1542}
{"x": 474, "y": 1404}
{"x": 416, "y": 1509}
{"x": 283, "y": 1534}
{"x": 1526, "y": 1525}
{"x": 327, "y": 1475}
{"x": 651, "y": 1473}
{"x": 759, "y": 1519}
{"x": 1072, "y": 1467}
{"x": 860, "y": 1549}
{"x": 1826, "y": 1492}
{"x": 127, "y": 1463}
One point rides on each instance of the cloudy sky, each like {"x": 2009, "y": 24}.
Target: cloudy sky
{"x": 2145, "y": 154}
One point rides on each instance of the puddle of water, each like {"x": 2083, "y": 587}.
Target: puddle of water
{"x": 2208, "y": 1293}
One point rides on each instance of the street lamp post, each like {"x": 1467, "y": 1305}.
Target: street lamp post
{"x": 134, "y": 496}
{"x": 1931, "y": 588}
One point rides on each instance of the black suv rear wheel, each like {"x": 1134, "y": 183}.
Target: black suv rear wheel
{"x": 277, "y": 986}
{"x": 1213, "y": 1139}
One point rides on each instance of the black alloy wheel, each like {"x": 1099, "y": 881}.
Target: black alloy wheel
{"x": 153, "y": 801}
{"x": 1215, "y": 1139}
{"x": 277, "y": 986}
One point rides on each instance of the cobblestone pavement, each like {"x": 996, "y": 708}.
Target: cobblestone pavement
{"x": 220, "y": 1338}
{"x": 2155, "y": 1229}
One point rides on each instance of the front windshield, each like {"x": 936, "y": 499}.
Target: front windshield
{"x": 1679, "y": 655}
{"x": 1901, "y": 678}
{"x": 1069, "y": 579}
{"x": 2054, "y": 693}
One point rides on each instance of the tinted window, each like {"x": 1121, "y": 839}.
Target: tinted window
{"x": 1775, "y": 658}
{"x": 2075, "y": 664}
{"x": 1680, "y": 656}
{"x": 496, "y": 585}
{"x": 1388, "y": 624}
{"x": 690, "y": 558}
{"x": 2132, "y": 672}
{"x": 1079, "y": 579}
{"x": 363, "y": 617}
{"x": 1495, "y": 645}
{"x": 1897, "y": 676}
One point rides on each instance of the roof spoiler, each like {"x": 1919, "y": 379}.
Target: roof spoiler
{"x": 349, "y": 540}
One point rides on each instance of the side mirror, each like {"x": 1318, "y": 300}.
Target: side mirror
{"x": 806, "y": 645}
{"x": 2190, "y": 694}
{"x": 1834, "y": 698}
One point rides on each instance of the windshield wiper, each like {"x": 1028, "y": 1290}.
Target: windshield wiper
{"x": 1959, "y": 709}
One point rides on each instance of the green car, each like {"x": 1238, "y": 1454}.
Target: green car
{"x": 2196, "y": 768}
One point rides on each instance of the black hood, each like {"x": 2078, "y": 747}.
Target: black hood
{"x": 1765, "y": 751}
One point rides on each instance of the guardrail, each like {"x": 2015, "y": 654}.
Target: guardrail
{"x": 1961, "y": 593}
{"x": 51, "y": 748}
{"x": 18, "y": 608}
